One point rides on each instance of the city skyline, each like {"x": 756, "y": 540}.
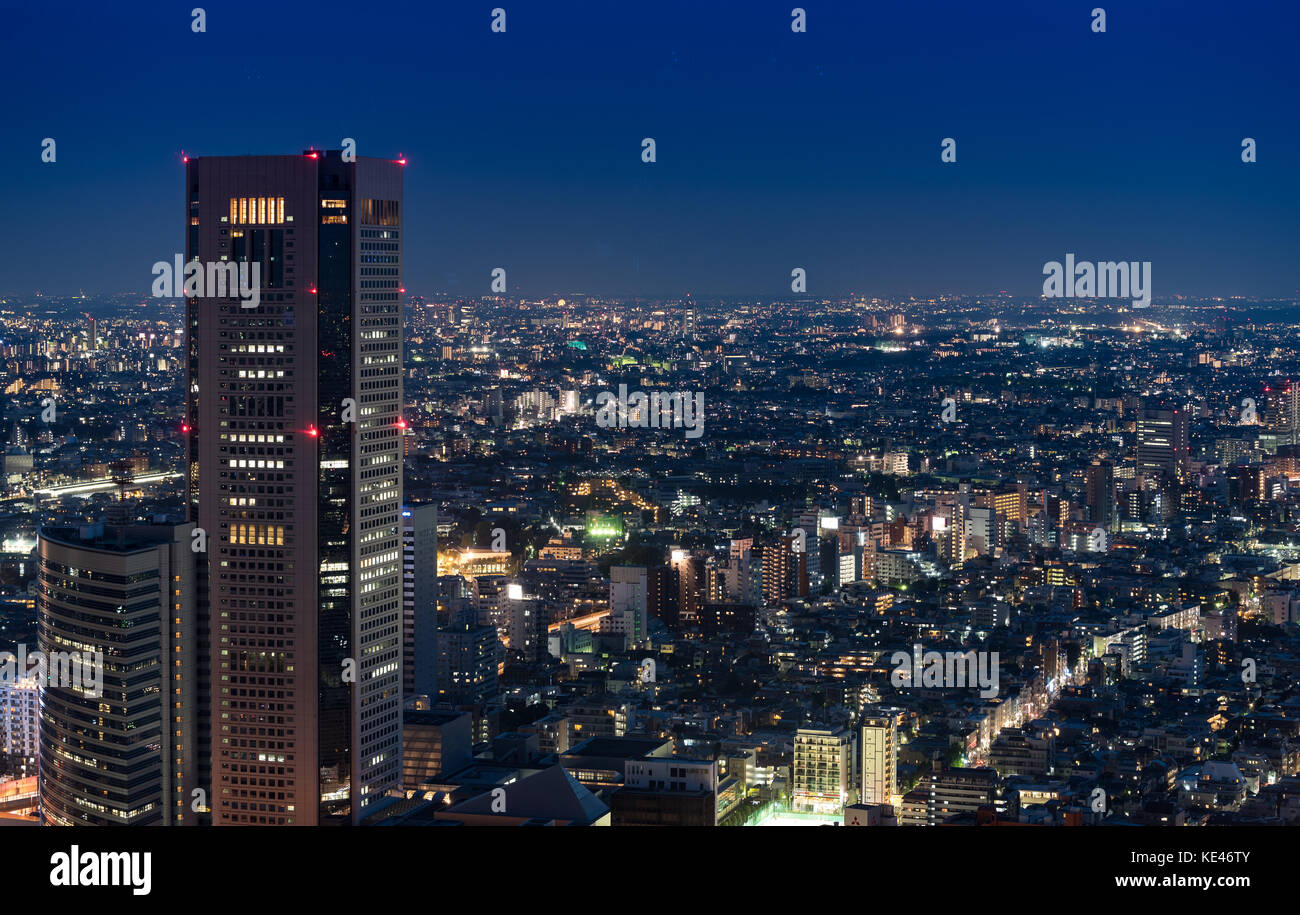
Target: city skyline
{"x": 852, "y": 415}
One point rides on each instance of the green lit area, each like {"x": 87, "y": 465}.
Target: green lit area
{"x": 604, "y": 528}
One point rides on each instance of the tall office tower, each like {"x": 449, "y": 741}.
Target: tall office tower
{"x": 123, "y": 750}
{"x": 420, "y": 600}
{"x": 1100, "y": 485}
{"x": 292, "y": 411}
{"x": 879, "y": 757}
{"x": 1163, "y": 440}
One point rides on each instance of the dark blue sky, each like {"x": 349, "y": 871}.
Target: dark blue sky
{"x": 775, "y": 149}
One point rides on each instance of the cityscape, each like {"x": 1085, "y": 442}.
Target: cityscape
{"x": 569, "y": 446}
{"x": 1101, "y": 501}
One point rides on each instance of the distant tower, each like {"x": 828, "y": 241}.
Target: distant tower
{"x": 688, "y": 323}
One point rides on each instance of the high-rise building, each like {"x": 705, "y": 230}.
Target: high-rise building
{"x": 1100, "y": 485}
{"x": 628, "y": 599}
{"x": 126, "y": 750}
{"x": 293, "y": 417}
{"x": 1162, "y": 440}
{"x": 1284, "y": 409}
{"x": 785, "y": 569}
{"x": 664, "y": 594}
{"x": 691, "y": 583}
{"x": 984, "y": 531}
{"x": 420, "y": 600}
{"x": 951, "y": 532}
{"x": 19, "y": 702}
{"x": 879, "y": 757}
{"x": 467, "y": 666}
{"x": 821, "y": 779}
{"x": 689, "y": 322}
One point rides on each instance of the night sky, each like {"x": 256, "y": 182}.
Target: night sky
{"x": 775, "y": 150}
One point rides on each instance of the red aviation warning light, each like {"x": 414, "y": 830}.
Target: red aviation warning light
{"x": 313, "y": 431}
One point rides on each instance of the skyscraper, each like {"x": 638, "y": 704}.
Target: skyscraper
{"x": 128, "y": 752}
{"x": 785, "y": 569}
{"x": 293, "y": 403}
